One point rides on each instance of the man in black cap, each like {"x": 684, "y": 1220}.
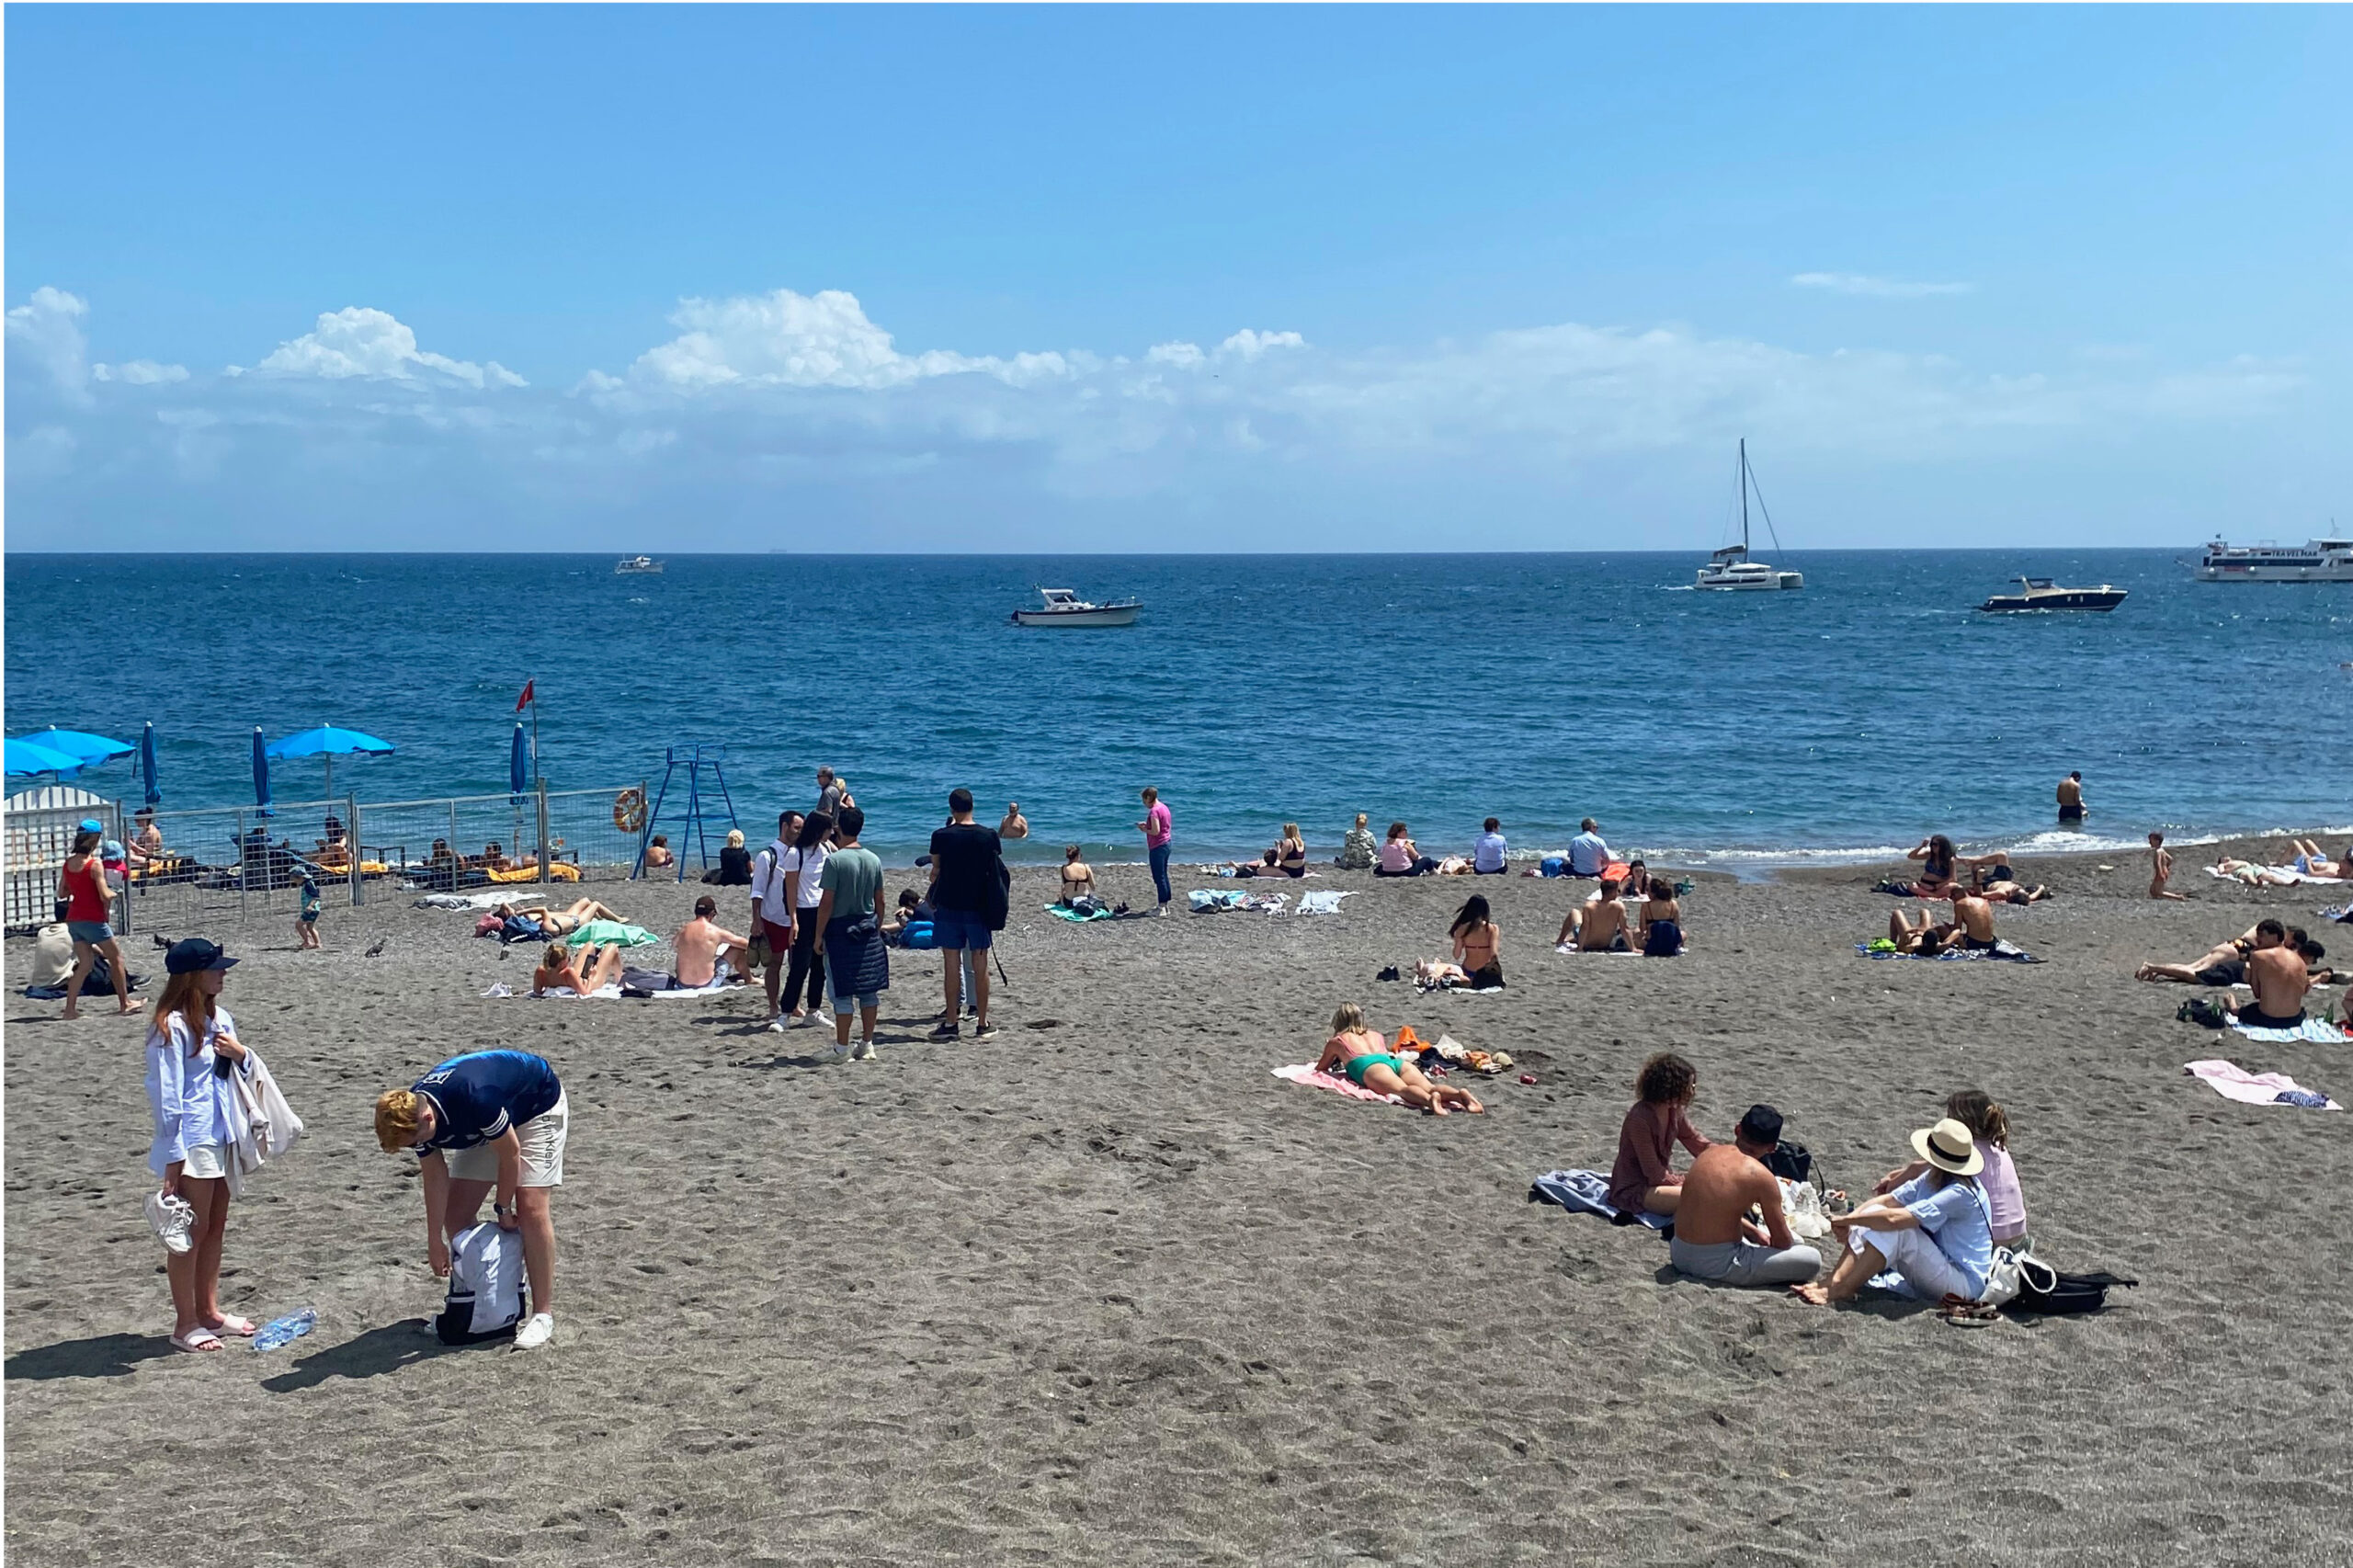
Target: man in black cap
{"x": 1715, "y": 1238}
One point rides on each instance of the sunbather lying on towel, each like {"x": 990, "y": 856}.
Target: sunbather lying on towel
{"x": 1928, "y": 939}
{"x": 557, "y": 922}
{"x": 1363, "y": 1056}
{"x": 559, "y": 971}
{"x": 2312, "y": 863}
{"x": 2253, "y": 875}
{"x": 2224, "y": 965}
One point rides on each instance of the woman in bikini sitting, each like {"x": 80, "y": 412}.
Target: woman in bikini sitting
{"x": 1660, "y": 928}
{"x": 1937, "y": 858}
{"x": 1078, "y": 877}
{"x": 1478, "y": 944}
{"x": 557, "y": 970}
{"x": 1363, "y": 1055}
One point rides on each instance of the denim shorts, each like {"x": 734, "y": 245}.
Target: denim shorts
{"x": 845, "y": 1005}
{"x": 962, "y": 929}
{"x": 89, "y": 930}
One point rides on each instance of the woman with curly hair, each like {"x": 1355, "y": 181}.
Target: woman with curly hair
{"x": 1641, "y": 1180}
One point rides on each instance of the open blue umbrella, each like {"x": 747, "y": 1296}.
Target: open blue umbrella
{"x": 33, "y": 756}
{"x": 519, "y": 766}
{"x": 261, "y": 772}
{"x": 80, "y": 743}
{"x": 147, "y": 764}
{"x": 327, "y": 742}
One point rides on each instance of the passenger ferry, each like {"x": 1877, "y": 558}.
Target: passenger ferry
{"x": 2317, "y": 560}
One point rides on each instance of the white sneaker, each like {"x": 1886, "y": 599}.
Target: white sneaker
{"x": 837, "y": 1052}
{"x": 536, "y": 1332}
{"x": 173, "y": 1220}
{"x": 862, "y": 1052}
{"x": 776, "y": 1026}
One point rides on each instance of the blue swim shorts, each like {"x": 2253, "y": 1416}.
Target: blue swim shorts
{"x": 964, "y": 928}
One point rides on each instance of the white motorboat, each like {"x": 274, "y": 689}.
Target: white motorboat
{"x": 1065, "y": 607}
{"x": 2041, "y": 594}
{"x": 1729, "y": 569}
{"x": 629, "y": 565}
{"x": 2318, "y": 560}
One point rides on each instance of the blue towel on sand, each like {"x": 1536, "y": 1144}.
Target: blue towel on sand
{"x": 1587, "y": 1192}
{"x": 2313, "y": 1031}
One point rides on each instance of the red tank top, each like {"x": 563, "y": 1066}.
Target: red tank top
{"x": 87, "y": 892}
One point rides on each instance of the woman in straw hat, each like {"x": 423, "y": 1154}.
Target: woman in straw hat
{"x": 1933, "y": 1235}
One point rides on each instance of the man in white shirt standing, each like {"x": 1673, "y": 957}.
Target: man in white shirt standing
{"x": 772, "y": 911}
{"x": 1587, "y": 853}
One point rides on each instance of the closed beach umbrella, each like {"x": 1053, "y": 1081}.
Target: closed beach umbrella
{"x": 327, "y": 742}
{"x": 261, "y": 772}
{"x": 32, "y": 757}
{"x": 147, "y": 764}
{"x": 519, "y": 766}
{"x": 80, "y": 743}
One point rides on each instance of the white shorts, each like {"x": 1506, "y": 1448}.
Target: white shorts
{"x": 1927, "y": 1274}
{"x": 203, "y": 1163}
{"x": 543, "y": 1141}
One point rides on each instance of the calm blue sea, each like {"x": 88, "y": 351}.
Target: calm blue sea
{"x": 1850, "y": 718}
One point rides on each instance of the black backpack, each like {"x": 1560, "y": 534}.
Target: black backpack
{"x": 1000, "y": 896}
{"x": 1791, "y": 1160}
{"x": 2203, "y": 1011}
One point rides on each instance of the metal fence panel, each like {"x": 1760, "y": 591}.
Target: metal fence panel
{"x": 39, "y": 828}
{"x": 229, "y": 864}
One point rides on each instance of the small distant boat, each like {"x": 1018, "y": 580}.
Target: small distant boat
{"x": 2042, "y": 593}
{"x": 2319, "y": 560}
{"x": 1065, "y": 607}
{"x": 629, "y": 565}
{"x": 1729, "y": 569}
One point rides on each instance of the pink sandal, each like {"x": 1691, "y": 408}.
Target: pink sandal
{"x": 196, "y": 1339}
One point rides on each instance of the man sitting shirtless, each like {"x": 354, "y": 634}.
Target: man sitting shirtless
{"x": 1974, "y": 916}
{"x": 701, "y": 943}
{"x": 1598, "y": 925}
{"x": 2222, "y": 965}
{"x": 1715, "y": 1238}
{"x": 2282, "y": 978}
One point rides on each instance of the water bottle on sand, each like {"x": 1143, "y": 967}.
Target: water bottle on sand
{"x": 285, "y": 1330}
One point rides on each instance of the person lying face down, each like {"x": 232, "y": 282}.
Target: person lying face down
{"x": 1361, "y": 1054}
{"x": 1715, "y": 1238}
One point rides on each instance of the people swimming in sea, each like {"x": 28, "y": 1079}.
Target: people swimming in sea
{"x": 2071, "y": 797}
{"x": 1659, "y": 927}
{"x": 559, "y": 970}
{"x": 1478, "y": 944}
{"x": 1361, "y": 1054}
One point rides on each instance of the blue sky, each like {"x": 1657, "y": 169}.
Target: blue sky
{"x": 1191, "y": 278}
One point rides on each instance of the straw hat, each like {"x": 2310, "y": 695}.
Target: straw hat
{"x": 1950, "y": 1147}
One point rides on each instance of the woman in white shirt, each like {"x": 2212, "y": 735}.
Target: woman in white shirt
{"x": 804, "y": 866}
{"x": 191, "y": 1049}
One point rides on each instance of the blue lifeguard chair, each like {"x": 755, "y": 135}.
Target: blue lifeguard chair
{"x": 700, "y": 813}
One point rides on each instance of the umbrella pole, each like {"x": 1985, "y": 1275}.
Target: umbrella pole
{"x": 330, "y": 762}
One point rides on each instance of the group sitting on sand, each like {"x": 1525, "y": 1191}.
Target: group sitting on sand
{"x": 1601, "y": 923}
{"x": 553, "y": 921}
{"x": 2274, "y": 960}
{"x": 1361, "y": 1054}
{"x": 1971, "y": 929}
{"x": 1286, "y": 858}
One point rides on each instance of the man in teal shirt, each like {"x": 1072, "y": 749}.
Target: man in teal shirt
{"x": 849, "y": 933}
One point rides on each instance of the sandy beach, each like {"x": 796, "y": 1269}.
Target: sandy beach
{"x": 1102, "y": 1289}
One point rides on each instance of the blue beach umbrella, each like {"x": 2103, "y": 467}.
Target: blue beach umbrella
{"x": 147, "y": 764}
{"x": 261, "y": 772}
{"x": 80, "y": 743}
{"x": 33, "y": 756}
{"x": 329, "y": 742}
{"x": 519, "y": 766}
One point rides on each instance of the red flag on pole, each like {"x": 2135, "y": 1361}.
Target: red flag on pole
{"x": 525, "y": 700}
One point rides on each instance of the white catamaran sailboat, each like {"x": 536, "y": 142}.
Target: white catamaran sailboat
{"x": 1729, "y": 569}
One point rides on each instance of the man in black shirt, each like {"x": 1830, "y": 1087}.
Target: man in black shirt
{"x": 964, "y": 878}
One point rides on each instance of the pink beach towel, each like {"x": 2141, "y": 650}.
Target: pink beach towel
{"x": 2231, "y": 1081}
{"x": 1305, "y": 1072}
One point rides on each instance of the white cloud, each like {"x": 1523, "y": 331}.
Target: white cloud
{"x": 139, "y": 373}
{"x": 1876, "y": 288}
{"x": 1249, "y": 344}
{"x": 46, "y": 332}
{"x": 785, "y": 339}
{"x": 357, "y": 341}
{"x": 1183, "y": 355}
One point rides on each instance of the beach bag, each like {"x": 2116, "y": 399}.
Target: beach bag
{"x": 2007, "y": 1274}
{"x": 1555, "y": 866}
{"x": 1000, "y": 896}
{"x": 2203, "y": 1011}
{"x": 919, "y": 935}
{"x": 487, "y": 1297}
{"x": 1791, "y": 1161}
{"x": 2044, "y": 1290}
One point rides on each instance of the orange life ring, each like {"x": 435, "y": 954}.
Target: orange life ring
{"x": 629, "y": 811}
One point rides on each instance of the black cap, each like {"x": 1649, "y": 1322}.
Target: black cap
{"x": 1761, "y": 1125}
{"x": 191, "y": 954}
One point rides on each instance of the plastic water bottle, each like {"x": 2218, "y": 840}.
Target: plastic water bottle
{"x": 285, "y": 1330}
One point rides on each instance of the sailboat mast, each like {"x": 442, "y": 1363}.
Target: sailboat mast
{"x": 1743, "y": 494}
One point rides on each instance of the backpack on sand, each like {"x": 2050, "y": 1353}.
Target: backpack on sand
{"x": 2203, "y": 1011}
{"x": 2042, "y": 1288}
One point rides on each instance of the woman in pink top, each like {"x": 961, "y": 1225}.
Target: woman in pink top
{"x": 2005, "y": 1200}
{"x": 1158, "y": 829}
{"x": 1640, "y": 1180}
